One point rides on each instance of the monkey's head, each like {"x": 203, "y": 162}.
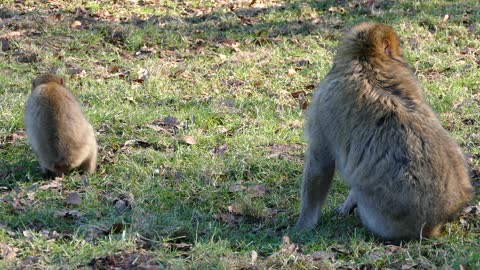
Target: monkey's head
{"x": 47, "y": 78}
{"x": 371, "y": 40}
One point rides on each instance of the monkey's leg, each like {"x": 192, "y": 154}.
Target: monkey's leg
{"x": 90, "y": 164}
{"x": 317, "y": 178}
{"x": 348, "y": 206}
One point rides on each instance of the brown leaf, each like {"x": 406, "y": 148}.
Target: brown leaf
{"x": 256, "y": 191}
{"x": 299, "y": 94}
{"x": 226, "y": 218}
{"x": 142, "y": 75}
{"x": 74, "y": 199}
{"x": 233, "y": 209}
{"x": 56, "y": 183}
{"x": 68, "y": 213}
{"x": 5, "y": 44}
{"x": 121, "y": 205}
{"x": 12, "y": 34}
{"x": 236, "y": 187}
{"x": 14, "y": 137}
{"x": 291, "y": 72}
{"x": 323, "y": 255}
{"x": 76, "y": 24}
{"x": 118, "y": 227}
{"x": 219, "y": 150}
{"x": 189, "y": 140}
{"x": 7, "y": 252}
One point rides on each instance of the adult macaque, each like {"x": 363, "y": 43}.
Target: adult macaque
{"x": 369, "y": 120}
{"x": 59, "y": 133}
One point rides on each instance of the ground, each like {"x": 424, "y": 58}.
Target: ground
{"x": 198, "y": 108}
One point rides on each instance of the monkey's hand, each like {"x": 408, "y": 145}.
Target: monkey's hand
{"x": 347, "y": 207}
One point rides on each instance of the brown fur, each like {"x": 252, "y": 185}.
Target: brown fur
{"x": 370, "y": 121}
{"x": 59, "y": 133}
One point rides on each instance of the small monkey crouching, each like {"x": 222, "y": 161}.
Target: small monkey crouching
{"x": 58, "y": 132}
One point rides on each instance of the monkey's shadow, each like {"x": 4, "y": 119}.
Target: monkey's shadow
{"x": 22, "y": 170}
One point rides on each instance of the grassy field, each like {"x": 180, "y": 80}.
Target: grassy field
{"x": 198, "y": 108}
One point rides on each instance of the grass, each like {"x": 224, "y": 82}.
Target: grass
{"x": 224, "y": 72}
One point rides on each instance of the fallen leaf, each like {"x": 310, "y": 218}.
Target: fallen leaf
{"x": 189, "y": 140}
{"x": 256, "y": 191}
{"x": 74, "y": 199}
{"x": 291, "y": 72}
{"x": 14, "y": 137}
{"x": 56, "y": 183}
{"x": 5, "y": 44}
{"x": 299, "y": 94}
{"x": 253, "y": 257}
{"x": 219, "y": 150}
{"x": 7, "y": 252}
{"x": 76, "y": 24}
{"x": 445, "y": 18}
{"x": 323, "y": 255}
{"x": 12, "y": 34}
{"x": 233, "y": 209}
{"x": 120, "y": 205}
{"x": 227, "y": 218}
{"x": 236, "y": 187}
{"x": 67, "y": 213}
{"x": 118, "y": 227}
{"x": 141, "y": 75}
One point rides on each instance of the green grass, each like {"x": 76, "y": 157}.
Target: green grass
{"x": 222, "y": 70}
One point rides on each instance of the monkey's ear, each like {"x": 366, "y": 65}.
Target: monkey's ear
{"x": 386, "y": 48}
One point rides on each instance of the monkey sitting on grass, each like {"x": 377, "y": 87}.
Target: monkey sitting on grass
{"x": 60, "y": 135}
{"x": 369, "y": 120}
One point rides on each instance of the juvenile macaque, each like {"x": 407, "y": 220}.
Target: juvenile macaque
{"x": 369, "y": 120}
{"x": 60, "y": 136}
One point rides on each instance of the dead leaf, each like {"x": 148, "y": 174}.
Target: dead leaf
{"x": 140, "y": 259}
{"x": 68, "y": 213}
{"x": 74, "y": 199}
{"x": 12, "y": 34}
{"x": 219, "y": 150}
{"x": 142, "y": 75}
{"x": 56, "y": 183}
{"x": 7, "y": 252}
{"x": 136, "y": 143}
{"x": 227, "y": 218}
{"x": 284, "y": 151}
{"x": 232, "y": 44}
{"x": 14, "y": 137}
{"x": 291, "y": 72}
{"x": 445, "y": 18}
{"x": 76, "y": 24}
{"x": 254, "y": 257}
{"x": 256, "y": 191}
{"x": 323, "y": 255}
{"x": 299, "y": 94}
{"x": 290, "y": 247}
{"x": 189, "y": 140}
{"x": 233, "y": 209}
{"x": 118, "y": 227}
{"x": 236, "y": 187}
{"x": 5, "y": 44}
{"x": 120, "y": 205}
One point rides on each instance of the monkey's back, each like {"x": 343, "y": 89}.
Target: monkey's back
{"x": 389, "y": 145}
{"x": 59, "y": 133}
